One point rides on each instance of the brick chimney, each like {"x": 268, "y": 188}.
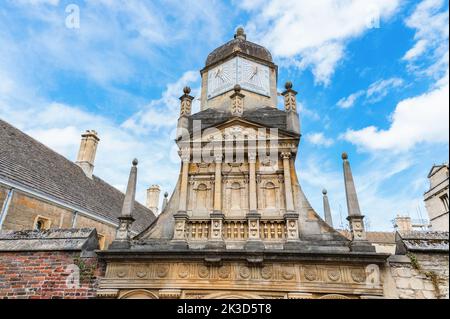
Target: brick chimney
{"x": 153, "y": 198}
{"x": 86, "y": 154}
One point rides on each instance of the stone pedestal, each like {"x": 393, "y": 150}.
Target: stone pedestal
{"x": 254, "y": 242}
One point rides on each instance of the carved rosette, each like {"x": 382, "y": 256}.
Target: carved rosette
{"x": 244, "y": 272}
{"x": 224, "y": 272}
{"x": 334, "y": 274}
{"x": 203, "y": 272}
{"x": 266, "y": 272}
{"x": 311, "y": 274}
{"x": 358, "y": 275}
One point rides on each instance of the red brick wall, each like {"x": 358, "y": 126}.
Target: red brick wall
{"x": 43, "y": 275}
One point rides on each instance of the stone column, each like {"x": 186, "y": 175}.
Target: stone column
{"x": 181, "y": 217}
{"x": 216, "y": 236}
{"x": 218, "y": 185}
{"x": 253, "y": 206}
{"x": 254, "y": 241}
{"x": 290, "y": 217}
{"x": 287, "y": 181}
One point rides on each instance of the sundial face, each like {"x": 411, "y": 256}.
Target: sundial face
{"x": 250, "y": 75}
{"x": 254, "y": 77}
{"x": 222, "y": 78}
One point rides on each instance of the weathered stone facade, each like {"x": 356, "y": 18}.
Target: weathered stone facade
{"x": 437, "y": 198}
{"x": 413, "y": 283}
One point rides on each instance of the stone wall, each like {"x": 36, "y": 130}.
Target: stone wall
{"x": 44, "y": 275}
{"x": 413, "y": 275}
{"x": 3, "y": 194}
{"x": 23, "y": 210}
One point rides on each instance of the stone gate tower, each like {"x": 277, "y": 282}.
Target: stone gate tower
{"x": 238, "y": 223}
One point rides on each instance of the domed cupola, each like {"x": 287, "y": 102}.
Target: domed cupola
{"x": 241, "y": 45}
{"x": 244, "y": 63}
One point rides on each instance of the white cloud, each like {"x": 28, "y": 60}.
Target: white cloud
{"x": 420, "y": 119}
{"x": 314, "y": 33}
{"x": 164, "y": 111}
{"x": 378, "y": 90}
{"x": 319, "y": 139}
{"x": 429, "y": 55}
{"x": 374, "y": 93}
{"x": 348, "y": 102}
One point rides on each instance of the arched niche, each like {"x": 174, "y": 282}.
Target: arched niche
{"x": 232, "y": 295}
{"x": 139, "y": 294}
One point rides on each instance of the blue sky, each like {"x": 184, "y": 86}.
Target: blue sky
{"x": 372, "y": 78}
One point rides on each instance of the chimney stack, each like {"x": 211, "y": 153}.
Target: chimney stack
{"x": 153, "y": 198}
{"x": 403, "y": 224}
{"x": 86, "y": 154}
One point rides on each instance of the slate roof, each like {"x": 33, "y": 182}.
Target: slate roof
{"x": 422, "y": 241}
{"x": 27, "y": 162}
{"x": 49, "y": 240}
{"x": 266, "y": 116}
{"x": 238, "y": 45}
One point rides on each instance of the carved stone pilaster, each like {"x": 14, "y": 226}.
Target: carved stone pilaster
{"x": 179, "y": 233}
{"x": 237, "y": 101}
{"x": 216, "y": 236}
{"x": 290, "y": 100}
{"x": 186, "y": 102}
{"x": 292, "y": 234}
{"x": 357, "y": 227}
{"x": 254, "y": 241}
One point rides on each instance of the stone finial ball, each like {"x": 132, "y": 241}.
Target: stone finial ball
{"x": 135, "y": 162}
{"x": 237, "y": 88}
{"x": 187, "y": 90}
{"x": 344, "y": 156}
{"x": 288, "y": 85}
{"x": 324, "y": 191}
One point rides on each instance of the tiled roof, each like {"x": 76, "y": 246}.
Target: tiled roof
{"x": 241, "y": 46}
{"x": 27, "y": 162}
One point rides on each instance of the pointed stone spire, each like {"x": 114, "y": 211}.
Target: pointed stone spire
{"x": 165, "y": 201}
{"x": 326, "y": 208}
{"x": 355, "y": 218}
{"x": 350, "y": 190}
{"x": 122, "y": 240}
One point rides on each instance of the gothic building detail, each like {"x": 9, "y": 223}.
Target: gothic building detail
{"x": 238, "y": 220}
